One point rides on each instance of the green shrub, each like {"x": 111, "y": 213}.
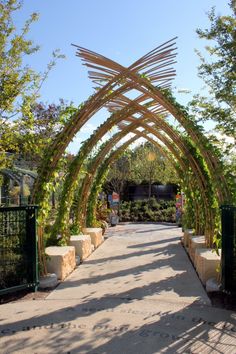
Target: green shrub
{"x": 148, "y": 210}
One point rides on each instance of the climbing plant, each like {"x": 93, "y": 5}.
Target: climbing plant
{"x": 83, "y": 197}
{"x": 203, "y": 162}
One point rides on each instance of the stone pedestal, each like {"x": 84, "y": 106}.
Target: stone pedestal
{"x": 61, "y": 260}
{"x": 207, "y": 264}
{"x": 187, "y": 234}
{"x": 196, "y": 242}
{"x": 96, "y": 235}
{"x": 82, "y": 244}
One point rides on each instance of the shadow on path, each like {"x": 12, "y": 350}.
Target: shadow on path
{"x": 88, "y": 324}
{"x": 181, "y": 331}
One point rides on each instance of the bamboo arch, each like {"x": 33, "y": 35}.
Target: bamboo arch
{"x": 89, "y": 199}
{"x": 202, "y": 183}
{"x": 115, "y": 81}
{"x": 122, "y": 115}
{"x": 121, "y": 80}
{"x": 163, "y": 55}
{"x": 146, "y": 87}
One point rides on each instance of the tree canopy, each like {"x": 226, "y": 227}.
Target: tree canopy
{"x": 218, "y": 71}
{"x": 19, "y": 83}
{"x": 144, "y": 164}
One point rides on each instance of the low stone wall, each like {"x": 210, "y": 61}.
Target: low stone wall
{"x": 61, "y": 260}
{"x": 187, "y": 234}
{"x": 207, "y": 264}
{"x": 96, "y": 235}
{"x": 82, "y": 244}
{"x": 196, "y": 242}
{"x": 205, "y": 260}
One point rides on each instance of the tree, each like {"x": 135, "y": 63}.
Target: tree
{"x": 37, "y": 128}
{"x": 150, "y": 166}
{"x": 218, "y": 71}
{"x": 144, "y": 164}
{"x": 15, "y": 79}
{"x": 19, "y": 84}
{"x": 118, "y": 174}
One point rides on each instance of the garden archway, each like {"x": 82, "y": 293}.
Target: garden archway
{"x": 201, "y": 182}
{"x": 153, "y": 102}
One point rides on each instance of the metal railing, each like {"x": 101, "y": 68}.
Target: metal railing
{"x": 18, "y": 249}
{"x": 14, "y": 201}
{"x": 228, "y": 219}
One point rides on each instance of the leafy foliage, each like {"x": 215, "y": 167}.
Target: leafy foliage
{"x": 39, "y": 126}
{"x": 17, "y": 81}
{"x": 218, "y": 71}
{"x": 148, "y": 210}
{"x": 92, "y": 215}
{"x": 144, "y": 164}
{"x": 19, "y": 84}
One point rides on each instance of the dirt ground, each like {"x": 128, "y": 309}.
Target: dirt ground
{"x": 25, "y": 295}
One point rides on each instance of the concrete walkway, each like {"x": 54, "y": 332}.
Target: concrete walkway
{"x": 137, "y": 293}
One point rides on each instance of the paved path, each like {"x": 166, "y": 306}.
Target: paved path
{"x": 137, "y": 293}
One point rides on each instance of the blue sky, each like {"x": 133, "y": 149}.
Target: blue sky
{"x": 122, "y": 30}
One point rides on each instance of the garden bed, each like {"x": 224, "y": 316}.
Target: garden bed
{"x": 148, "y": 210}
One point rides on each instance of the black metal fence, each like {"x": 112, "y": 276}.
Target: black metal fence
{"x": 18, "y": 249}
{"x": 228, "y": 217}
{"x": 14, "y": 201}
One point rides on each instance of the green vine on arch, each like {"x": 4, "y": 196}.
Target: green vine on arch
{"x": 210, "y": 152}
{"x": 71, "y": 181}
{"x": 91, "y": 220}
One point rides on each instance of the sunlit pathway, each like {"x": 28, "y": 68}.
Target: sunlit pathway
{"x": 137, "y": 293}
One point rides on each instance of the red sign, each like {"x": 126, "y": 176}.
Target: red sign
{"x": 115, "y": 197}
{"x": 179, "y": 201}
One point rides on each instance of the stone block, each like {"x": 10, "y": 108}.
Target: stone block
{"x": 47, "y": 282}
{"x": 198, "y": 259}
{"x": 207, "y": 265}
{"x": 82, "y": 244}
{"x": 61, "y": 260}
{"x": 96, "y": 235}
{"x": 194, "y": 243}
{"x": 187, "y": 234}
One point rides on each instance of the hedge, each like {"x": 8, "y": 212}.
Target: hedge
{"x": 147, "y": 210}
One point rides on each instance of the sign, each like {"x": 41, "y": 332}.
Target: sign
{"x": 179, "y": 201}
{"x": 115, "y": 197}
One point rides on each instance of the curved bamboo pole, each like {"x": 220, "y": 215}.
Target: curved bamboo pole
{"x": 151, "y": 68}
{"x": 114, "y": 87}
{"x": 92, "y": 197}
{"x": 101, "y": 98}
{"x": 101, "y": 156}
{"x": 170, "y": 130}
{"x": 133, "y": 105}
{"x": 146, "y": 87}
{"x": 210, "y": 222}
